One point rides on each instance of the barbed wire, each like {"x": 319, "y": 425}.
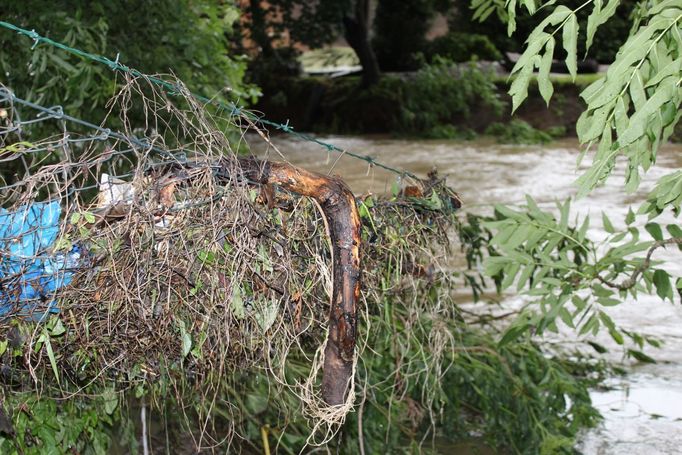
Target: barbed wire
{"x": 172, "y": 89}
{"x": 57, "y": 113}
{"x": 103, "y": 134}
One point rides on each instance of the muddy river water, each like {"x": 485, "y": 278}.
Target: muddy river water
{"x": 643, "y": 409}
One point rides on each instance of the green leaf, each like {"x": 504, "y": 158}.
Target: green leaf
{"x": 608, "y": 227}
{"x": 266, "y": 314}
{"x": 530, "y": 6}
{"x": 637, "y": 93}
{"x": 58, "y": 328}
{"x": 570, "y": 39}
{"x": 566, "y": 317}
{"x": 674, "y": 230}
{"x": 655, "y": 230}
{"x": 51, "y": 357}
{"x": 524, "y": 277}
{"x": 640, "y": 119}
{"x": 597, "y": 347}
{"x": 544, "y": 84}
{"x": 494, "y": 265}
{"x": 237, "y": 303}
{"x": 598, "y": 17}
{"x": 257, "y": 403}
{"x": 607, "y": 301}
{"x": 630, "y": 217}
{"x": 662, "y": 282}
{"x": 582, "y": 233}
{"x": 89, "y": 217}
{"x": 435, "y": 202}
{"x": 591, "y": 324}
{"x": 640, "y": 356}
{"x": 110, "y": 401}
{"x": 616, "y": 336}
{"x": 513, "y": 332}
{"x": 395, "y": 188}
{"x": 186, "y": 339}
{"x": 511, "y": 20}
{"x": 207, "y": 257}
{"x": 600, "y": 291}
{"x": 510, "y": 274}
{"x": 519, "y": 87}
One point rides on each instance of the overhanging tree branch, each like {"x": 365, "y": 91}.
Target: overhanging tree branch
{"x": 630, "y": 282}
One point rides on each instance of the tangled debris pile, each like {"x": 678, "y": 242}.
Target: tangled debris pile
{"x": 171, "y": 260}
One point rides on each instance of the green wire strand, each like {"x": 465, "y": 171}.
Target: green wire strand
{"x": 234, "y": 110}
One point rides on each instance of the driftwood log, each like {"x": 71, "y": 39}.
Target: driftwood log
{"x": 338, "y": 204}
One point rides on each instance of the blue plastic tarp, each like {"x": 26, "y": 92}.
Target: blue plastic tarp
{"x": 29, "y": 273}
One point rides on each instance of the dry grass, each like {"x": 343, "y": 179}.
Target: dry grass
{"x": 197, "y": 274}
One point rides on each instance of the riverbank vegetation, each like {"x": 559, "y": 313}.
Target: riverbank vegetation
{"x": 439, "y": 101}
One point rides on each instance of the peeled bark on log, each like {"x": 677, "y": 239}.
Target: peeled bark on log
{"x": 338, "y": 204}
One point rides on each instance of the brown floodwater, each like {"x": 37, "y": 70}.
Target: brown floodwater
{"x": 643, "y": 409}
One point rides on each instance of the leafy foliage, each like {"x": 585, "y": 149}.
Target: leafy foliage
{"x": 307, "y": 22}
{"x": 150, "y": 36}
{"x": 441, "y": 91}
{"x": 634, "y": 108}
{"x": 603, "y": 48}
{"x": 463, "y": 47}
{"x": 630, "y": 111}
{"x": 520, "y": 132}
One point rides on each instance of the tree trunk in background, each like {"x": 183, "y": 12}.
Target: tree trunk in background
{"x": 259, "y": 33}
{"x": 357, "y": 35}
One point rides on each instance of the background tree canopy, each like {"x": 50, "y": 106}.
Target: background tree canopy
{"x": 188, "y": 38}
{"x": 608, "y": 39}
{"x": 397, "y": 30}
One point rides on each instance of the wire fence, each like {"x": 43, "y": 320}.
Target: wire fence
{"x": 173, "y": 89}
{"x": 44, "y": 179}
{"x": 152, "y": 230}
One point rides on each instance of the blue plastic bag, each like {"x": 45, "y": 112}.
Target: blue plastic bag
{"x": 29, "y": 274}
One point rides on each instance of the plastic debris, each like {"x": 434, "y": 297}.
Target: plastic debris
{"x": 113, "y": 190}
{"x": 29, "y": 272}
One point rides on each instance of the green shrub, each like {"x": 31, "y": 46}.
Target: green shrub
{"x": 463, "y": 47}
{"x": 442, "y": 93}
{"x": 518, "y": 132}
